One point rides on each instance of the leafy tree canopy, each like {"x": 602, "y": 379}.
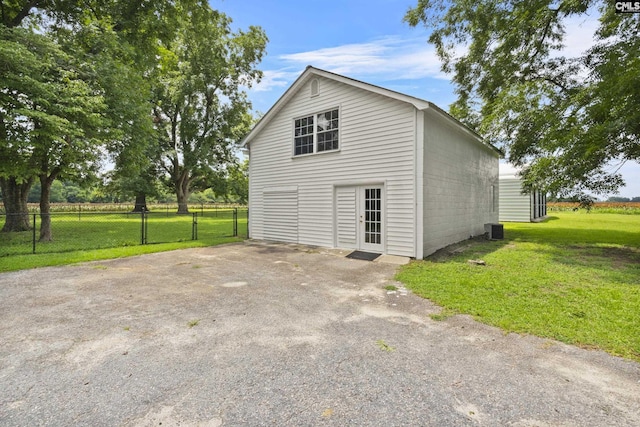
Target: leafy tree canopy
{"x": 200, "y": 107}
{"x": 73, "y": 90}
{"x": 564, "y": 120}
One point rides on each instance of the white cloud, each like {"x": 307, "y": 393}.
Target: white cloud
{"x": 272, "y": 79}
{"x": 507, "y": 169}
{"x": 393, "y": 58}
{"x": 388, "y": 58}
{"x": 579, "y": 34}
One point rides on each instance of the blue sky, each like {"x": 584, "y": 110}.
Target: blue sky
{"x": 366, "y": 40}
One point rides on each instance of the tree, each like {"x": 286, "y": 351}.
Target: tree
{"x": 199, "y": 104}
{"x": 562, "y": 119}
{"x": 138, "y": 185}
{"x": 49, "y": 119}
{"x": 73, "y": 91}
{"x": 29, "y": 85}
{"x": 238, "y": 182}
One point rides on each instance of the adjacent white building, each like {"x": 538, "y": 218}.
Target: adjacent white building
{"x": 515, "y": 204}
{"x": 337, "y": 162}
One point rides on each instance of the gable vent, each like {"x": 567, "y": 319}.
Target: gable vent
{"x": 315, "y": 87}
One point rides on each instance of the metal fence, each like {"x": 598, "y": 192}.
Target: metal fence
{"x": 83, "y": 229}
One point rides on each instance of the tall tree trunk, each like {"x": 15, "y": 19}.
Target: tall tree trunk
{"x": 45, "y": 208}
{"x": 141, "y": 203}
{"x": 14, "y": 198}
{"x": 182, "y": 193}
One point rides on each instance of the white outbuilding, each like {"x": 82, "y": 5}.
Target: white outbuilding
{"x": 340, "y": 163}
{"x": 516, "y": 205}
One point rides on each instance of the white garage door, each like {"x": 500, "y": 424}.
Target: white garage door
{"x": 281, "y": 214}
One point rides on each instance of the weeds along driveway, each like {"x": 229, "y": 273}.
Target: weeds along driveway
{"x": 257, "y": 334}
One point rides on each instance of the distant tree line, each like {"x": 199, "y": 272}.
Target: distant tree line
{"x": 234, "y": 188}
{"x": 623, "y": 199}
{"x": 616, "y": 199}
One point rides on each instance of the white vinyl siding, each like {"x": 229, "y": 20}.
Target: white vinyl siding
{"x": 377, "y": 145}
{"x": 458, "y": 175}
{"x": 516, "y": 206}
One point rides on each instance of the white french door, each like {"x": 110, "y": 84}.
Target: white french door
{"x": 370, "y": 218}
{"x": 360, "y": 217}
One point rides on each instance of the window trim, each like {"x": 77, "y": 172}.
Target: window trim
{"x": 315, "y": 132}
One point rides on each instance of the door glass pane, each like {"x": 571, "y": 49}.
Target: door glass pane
{"x": 373, "y": 216}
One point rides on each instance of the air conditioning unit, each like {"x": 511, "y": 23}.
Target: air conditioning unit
{"x": 494, "y": 231}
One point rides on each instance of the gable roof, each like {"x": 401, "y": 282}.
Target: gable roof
{"x": 310, "y": 71}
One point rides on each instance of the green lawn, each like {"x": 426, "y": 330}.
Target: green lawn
{"x": 100, "y": 235}
{"x": 574, "y": 278}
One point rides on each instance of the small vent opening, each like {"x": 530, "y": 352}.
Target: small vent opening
{"x": 315, "y": 87}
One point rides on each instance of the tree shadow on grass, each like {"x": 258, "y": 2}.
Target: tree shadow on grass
{"x": 625, "y": 260}
{"x": 476, "y": 247}
{"x": 573, "y": 247}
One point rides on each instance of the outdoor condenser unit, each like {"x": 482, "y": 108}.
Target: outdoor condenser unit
{"x": 494, "y": 231}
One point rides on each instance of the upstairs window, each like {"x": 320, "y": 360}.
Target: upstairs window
{"x": 304, "y": 135}
{"x": 316, "y": 133}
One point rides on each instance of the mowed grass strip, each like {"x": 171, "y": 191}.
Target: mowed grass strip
{"x": 103, "y": 236}
{"x": 574, "y": 278}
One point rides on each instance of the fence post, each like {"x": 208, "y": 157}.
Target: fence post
{"x": 247, "y": 223}
{"x": 235, "y": 222}
{"x": 143, "y": 227}
{"x": 34, "y": 233}
{"x": 194, "y": 227}
{"x": 79, "y": 211}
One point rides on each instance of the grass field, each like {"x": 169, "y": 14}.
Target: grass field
{"x": 574, "y": 278}
{"x": 101, "y": 235}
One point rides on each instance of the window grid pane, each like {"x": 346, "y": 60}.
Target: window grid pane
{"x": 373, "y": 215}
{"x": 303, "y": 140}
{"x": 327, "y": 130}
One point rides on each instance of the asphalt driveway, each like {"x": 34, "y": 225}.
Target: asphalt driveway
{"x": 257, "y": 334}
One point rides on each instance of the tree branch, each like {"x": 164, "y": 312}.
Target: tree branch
{"x": 23, "y": 13}
{"x": 550, "y": 80}
{"x": 545, "y": 32}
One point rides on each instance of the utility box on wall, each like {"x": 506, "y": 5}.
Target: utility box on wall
{"x": 494, "y": 231}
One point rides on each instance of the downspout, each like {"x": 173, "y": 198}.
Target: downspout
{"x": 419, "y": 184}
{"x": 247, "y": 152}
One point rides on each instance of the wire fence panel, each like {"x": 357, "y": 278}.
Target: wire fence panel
{"x": 166, "y": 229}
{"x": 15, "y": 243}
{"x": 88, "y": 230}
{"x": 216, "y": 224}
